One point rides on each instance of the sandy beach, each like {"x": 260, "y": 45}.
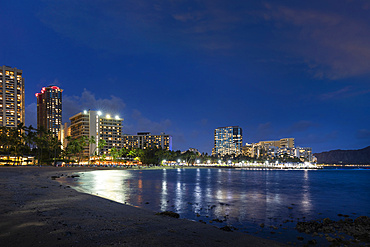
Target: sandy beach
{"x": 39, "y": 211}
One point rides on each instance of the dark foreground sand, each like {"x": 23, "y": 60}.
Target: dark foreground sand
{"x": 38, "y": 211}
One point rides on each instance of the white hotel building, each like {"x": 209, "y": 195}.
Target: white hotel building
{"x": 101, "y": 127}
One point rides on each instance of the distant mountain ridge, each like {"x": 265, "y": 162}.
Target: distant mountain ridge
{"x": 360, "y": 156}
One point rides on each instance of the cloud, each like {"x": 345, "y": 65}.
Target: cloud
{"x": 203, "y": 122}
{"x": 31, "y": 115}
{"x": 363, "y": 134}
{"x": 345, "y": 92}
{"x": 144, "y": 124}
{"x": 138, "y": 26}
{"x": 87, "y": 101}
{"x": 264, "y": 131}
{"x": 330, "y": 42}
{"x": 300, "y": 126}
{"x": 317, "y": 138}
{"x": 333, "y": 45}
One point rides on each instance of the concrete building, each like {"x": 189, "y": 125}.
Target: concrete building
{"x": 285, "y": 142}
{"x": 304, "y": 154}
{"x": 49, "y": 109}
{"x": 94, "y": 124}
{"x": 228, "y": 140}
{"x": 144, "y": 140}
{"x": 12, "y": 108}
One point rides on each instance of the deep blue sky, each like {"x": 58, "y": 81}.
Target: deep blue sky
{"x": 276, "y": 68}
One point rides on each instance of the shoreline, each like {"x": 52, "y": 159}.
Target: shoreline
{"x": 39, "y": 211}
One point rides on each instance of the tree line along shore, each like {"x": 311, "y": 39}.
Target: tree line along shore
{"x": 28, "y": 145}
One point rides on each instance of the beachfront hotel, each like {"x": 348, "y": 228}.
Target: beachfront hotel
{"x": 12, "y": 108}
{"x": 274, "y": 150}
{"x": 49, "y": 109}
{"x": 101, "y": 127}
{"x": 282, "y": 143}
{"x": 228, "y": 141}
{"x": 144, "y": 140}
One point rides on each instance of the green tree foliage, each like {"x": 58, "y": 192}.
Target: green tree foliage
{"x": 22, "y": 140}
{"x": 150, "y": 156}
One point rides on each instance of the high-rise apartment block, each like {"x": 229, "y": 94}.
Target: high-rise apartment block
{"x": 144, "y": 140}
{"x": 49, "y": 109}
{"x": 94, "y": 124}
{"x": 228, "y": 140}
{"x": 12, "y": 109}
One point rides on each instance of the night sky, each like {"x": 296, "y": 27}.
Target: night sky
{"x": 276, "y": 68}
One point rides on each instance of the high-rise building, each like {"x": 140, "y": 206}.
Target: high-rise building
{"x": 12, "y": 109}
{"x": 228, "y": 140}
{"x": 49, "y": 109}
{"x": 94, "y": 124}
{"x": 144, "y": 140}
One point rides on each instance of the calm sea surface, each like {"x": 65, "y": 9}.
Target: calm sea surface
{"x": 239, "y": 198}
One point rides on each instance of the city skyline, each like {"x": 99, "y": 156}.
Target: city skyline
{"x": 277, "y": 69}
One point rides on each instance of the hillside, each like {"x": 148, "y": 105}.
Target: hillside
{"x": 361, "y": 156}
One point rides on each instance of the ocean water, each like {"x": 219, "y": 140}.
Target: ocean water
{"x": 241, "y": 199}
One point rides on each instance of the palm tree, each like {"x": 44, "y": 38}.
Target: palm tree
{"x": 114, "y": 153}
{"x": 81, "y": 143}
{"x": 5, "y": 141}
{"x": 91, "y": 141}
{"x": 132, "y": 153}
{"x": 102, "y": 143}
{"x": 17, "y": 143}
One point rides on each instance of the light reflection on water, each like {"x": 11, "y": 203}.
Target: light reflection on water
{"x": 243, "y": 198}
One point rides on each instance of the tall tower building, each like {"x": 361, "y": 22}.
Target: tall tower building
{"x": 11, "y": 97}
{"x": 49, "y": 109}
{"x": 93, "y": 123}
{"x": 228, "y": 140}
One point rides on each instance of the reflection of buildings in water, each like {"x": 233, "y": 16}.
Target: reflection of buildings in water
{"x": 197, "y": 193}
{"x": 139, "y": 190}
{"x": 224, "y": 196}
{"x": 179, "y": 192}
{"x": 108, "y": 184}
{"x": 209, "y": 187}
{"x": 273, "y": 195}
{"x": 164, "y": 194}
{"x": 252, "y": 196}
{"x": 306, "y": 195}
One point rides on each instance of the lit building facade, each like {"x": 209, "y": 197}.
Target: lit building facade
{"x": 304, "y": 154}
{"x": 49, "y": 109}
{"x": 144, "y": 140}
{"x": 64, "y": 132}
{"x": 281, "y": 149}
{"x": 282, "y": 143}
{"x": 228, "y": 141}
{"x": 12, "y": 109}
{"x": 94, "y": 124}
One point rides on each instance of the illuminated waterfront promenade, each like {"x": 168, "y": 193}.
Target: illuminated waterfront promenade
{"x": 250, "y": 165}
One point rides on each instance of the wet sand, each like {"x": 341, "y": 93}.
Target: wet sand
{"x": 36, "y": 210}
